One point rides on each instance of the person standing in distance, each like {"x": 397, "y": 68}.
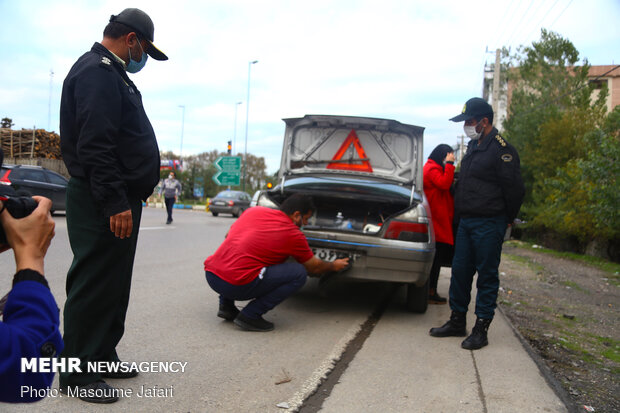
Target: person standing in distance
{"x": 489, "y": 193}
{"x": 171, "y": 189}
{"x": 438, "y": 177}
{"x": 110, "y": 150}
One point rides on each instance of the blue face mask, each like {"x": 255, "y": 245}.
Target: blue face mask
{"x": 133, "y": 66}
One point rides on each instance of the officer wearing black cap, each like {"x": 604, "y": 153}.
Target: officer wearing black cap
{"x": 110, "y": 150}
{"x": 488, "y": 195}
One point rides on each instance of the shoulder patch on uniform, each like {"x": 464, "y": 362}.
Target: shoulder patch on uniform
{"x": 106, "y": 63}
{"x": 501, "y": 141}
{"x": 506, "y": 157}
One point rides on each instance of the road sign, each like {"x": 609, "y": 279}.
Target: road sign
{"x": 229, "y": 168}
{"x": 228, "y": 163}
{"x": 227, "y": 178}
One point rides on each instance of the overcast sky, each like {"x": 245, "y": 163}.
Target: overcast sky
{"x": 413, "y": 61}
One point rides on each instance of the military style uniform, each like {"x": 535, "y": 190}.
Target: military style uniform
{"x": 488, "y": 195}
{"x": 110, "y": 150}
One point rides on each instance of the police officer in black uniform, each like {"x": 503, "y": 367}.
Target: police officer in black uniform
{"x": 489, "y": 193}
{"x": 110, "y": 150}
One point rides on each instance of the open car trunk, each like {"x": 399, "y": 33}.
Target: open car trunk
{"x": 349, "y": 205}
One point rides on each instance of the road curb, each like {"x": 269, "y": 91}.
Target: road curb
{"x": 543, "y": 368}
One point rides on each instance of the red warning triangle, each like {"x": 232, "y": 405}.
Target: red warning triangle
{"x": 362, "y": 164}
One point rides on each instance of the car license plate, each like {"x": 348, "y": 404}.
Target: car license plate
{"x": 219, "y": 203}
{"x": 332, "y": 255}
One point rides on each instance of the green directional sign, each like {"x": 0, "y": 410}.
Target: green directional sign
{"x": 228, "y": 163}
{"x": 227, "y": 178}
{"x": 229, "y": 168}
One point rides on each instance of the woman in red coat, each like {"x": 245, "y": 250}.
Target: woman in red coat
{"x": 438, "y": 177}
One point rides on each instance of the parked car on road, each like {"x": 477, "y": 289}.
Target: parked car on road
{"x": 230, "y": 202}
{"x": 36, "y": 180}
{"x": 365, "y": 178}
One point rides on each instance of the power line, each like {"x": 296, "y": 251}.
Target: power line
{"x": 539, "y": 25}
{"x": 560, "y": 15}
{"x": 503, "y": 23}
{"x": 520, "y": 21}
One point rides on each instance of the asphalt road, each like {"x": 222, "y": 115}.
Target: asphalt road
{"x": 382, "y": 357}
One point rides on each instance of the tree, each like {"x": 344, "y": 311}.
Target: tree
{"x": 566, "y": 142}
{"x": 6, "y": 123}
{"x": 550, "y": 108}
{"x": 198, "y": 171}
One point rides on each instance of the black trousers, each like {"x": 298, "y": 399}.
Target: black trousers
{"x": 169, "y": 206}
{"x": 98, "y": 282}
{"x": 443, "y": 258}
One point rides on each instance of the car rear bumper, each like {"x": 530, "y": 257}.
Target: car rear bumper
{"x": 382, "y": 260}
{"x": 221, "y": 209}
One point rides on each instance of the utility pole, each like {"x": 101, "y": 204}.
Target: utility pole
{"x": 496, "y": 75}
{"x": 49, "y": 103}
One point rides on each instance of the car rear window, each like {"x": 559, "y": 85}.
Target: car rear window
{"x": 56, "y": 179}
{"x": 33, "y": 175}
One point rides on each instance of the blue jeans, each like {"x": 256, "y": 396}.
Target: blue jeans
{"x": 478, "y": 248}
{"x": 277, "y": 283}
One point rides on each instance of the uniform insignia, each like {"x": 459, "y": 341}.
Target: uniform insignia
{"x": 106, "y": 60}
{"x": 464, "y": 108}
{"x": 506, "y": 157}
{"x": 501, "y": 141}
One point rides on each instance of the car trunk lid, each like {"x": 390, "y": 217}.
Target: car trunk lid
{"x": 347, "y": 145}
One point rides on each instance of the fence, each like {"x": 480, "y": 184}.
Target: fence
{"x": 56, "y": 165}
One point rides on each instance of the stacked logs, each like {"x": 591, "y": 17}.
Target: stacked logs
{"x": 30, "y": 143}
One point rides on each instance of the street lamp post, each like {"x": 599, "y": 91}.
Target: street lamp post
{"x": 235, "y": 130}
{"x": 247, "y": 116}
{"x": 182, "y": 128}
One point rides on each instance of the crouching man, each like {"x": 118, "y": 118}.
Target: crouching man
{"x": 251, "y": 262}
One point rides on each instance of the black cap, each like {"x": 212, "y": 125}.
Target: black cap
{"x": 474, "y": 108}
{"x": 141, "y": 23}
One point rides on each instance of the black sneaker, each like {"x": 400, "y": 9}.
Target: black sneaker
{"x": 228, "y": 312}
{"x": 253, "y": 324}
{"x": 97, "y": 392}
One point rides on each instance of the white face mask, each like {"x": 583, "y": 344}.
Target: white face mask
{"x": 470, "y": 132}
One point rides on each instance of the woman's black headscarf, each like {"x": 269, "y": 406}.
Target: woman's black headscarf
{"x": 439, "y": 153}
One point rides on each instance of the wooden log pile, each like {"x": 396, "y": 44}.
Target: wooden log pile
{"x": 30, "y": 143}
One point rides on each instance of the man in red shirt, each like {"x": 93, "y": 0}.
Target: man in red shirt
{"x": 251, "y": 263}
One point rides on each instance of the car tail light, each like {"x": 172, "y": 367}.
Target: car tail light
{"x": 5, "y": 178}
{"x": 412, "y": 225}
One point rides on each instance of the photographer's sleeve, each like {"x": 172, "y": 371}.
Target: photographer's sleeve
{"x": 30, "y": 329}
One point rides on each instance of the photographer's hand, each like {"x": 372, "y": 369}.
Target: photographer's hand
{"x": 31, "y": 236}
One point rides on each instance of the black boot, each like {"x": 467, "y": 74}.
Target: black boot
{"x": 455, "y": 327}
{"x": 478, "y": 337}
{"x": 435, "y": 298}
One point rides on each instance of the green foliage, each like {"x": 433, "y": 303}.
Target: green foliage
{"x": 6, "y": 123}
{"x": 568, "y": 146}
{"x": 198, "y": 171}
